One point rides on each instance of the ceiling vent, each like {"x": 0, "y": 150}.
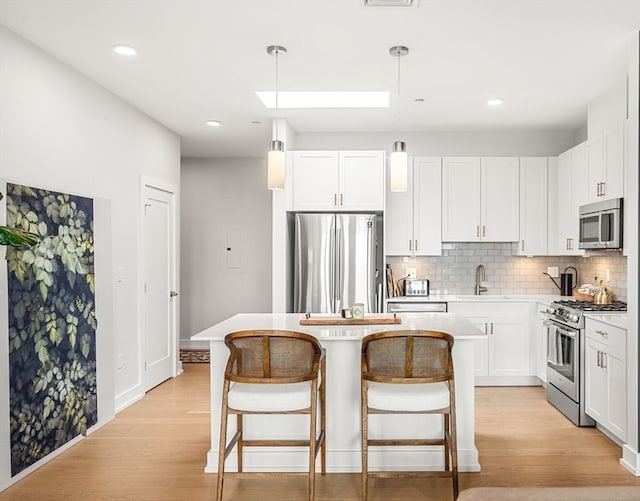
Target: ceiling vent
{"x": 391, "y": 3}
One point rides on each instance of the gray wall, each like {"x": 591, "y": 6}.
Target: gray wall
{"x": 61, "y": 131}
{"x": 225, "y": 205}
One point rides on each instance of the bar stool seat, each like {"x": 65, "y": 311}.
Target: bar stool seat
{"x": 270, "y": 397}
{"x": 421, "y": 397}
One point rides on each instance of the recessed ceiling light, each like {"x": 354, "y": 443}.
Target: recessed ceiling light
{"x": 213, "y": 123}
{"x": 496, "y": 101}
{"x": 325, "y": 99}
{"x": 124, "y": 50}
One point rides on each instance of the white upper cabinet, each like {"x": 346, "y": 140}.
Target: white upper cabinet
{"x": 461, "y": 199}
{"x": 569, "y": 182}
{"x": 605, "y": 153}
{"x": 480, "y": 199}
{"x": 338, "y": 180}
{"x": 413, "y": 218}
{"x": 533, "y": 207}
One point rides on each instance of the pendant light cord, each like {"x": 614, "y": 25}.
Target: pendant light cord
{"x": 277, "y": 131}
{"x": 398, "y": 89}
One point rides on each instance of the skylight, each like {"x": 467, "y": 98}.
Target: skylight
{"x": 325, "y": 99}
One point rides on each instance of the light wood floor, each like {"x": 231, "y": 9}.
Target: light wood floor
{"x": 155, "y": 450}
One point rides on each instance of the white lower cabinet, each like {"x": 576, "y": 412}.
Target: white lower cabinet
{"x": 540, "y": 331}
{"x": 507, "y": 355}
{"x": 606, "y": 376}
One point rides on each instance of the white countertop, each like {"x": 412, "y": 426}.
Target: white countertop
{"x": 456, "y": 325}
{"x": 615, "y": 319}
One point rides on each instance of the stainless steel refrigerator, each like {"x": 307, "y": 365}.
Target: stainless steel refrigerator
{"x": 337, "y": 262}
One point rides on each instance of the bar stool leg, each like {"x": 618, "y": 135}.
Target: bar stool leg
{"x": 239, "y": 419}
{"x": 365, "y": 441}
{"x": 313, "y": 425}
{"x": 446, "y": 429}
{"x": 222, "y": 446}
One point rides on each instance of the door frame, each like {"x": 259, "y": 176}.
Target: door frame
{"x": 174, "y": 276}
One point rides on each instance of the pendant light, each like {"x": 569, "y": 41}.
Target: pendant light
{"x": 399, "y": 160}
{"x": 275, "y": 156}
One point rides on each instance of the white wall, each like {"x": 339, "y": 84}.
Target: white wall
{"x": 59, "y": 130}
{"x": 518, "y": 143}
{"x": 224, "y": 204}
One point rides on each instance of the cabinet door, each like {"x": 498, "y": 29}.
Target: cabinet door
{"x": 533, "y": 207}
{"x": 613, "y": 140}
{"x": 509, "y": 348}
{"x": 361, "y": 180}
{"x": 398, "y": 227}
{"x": 427, "y": 206}
{"x": 579, "y": 180}
{"x": 315, "y": 180}
{"x": 499, "y": 199}
{"x": 595, "y": 163}
{"x": 541, "y": 334}
{"x": 616, "y": 369}
{"x": 595, "y": 400}
{"x": 461, "y": 199}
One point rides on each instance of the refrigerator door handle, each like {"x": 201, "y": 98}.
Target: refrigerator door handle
{"x": 337, "y": 303}
{"x": 370, "y": 267}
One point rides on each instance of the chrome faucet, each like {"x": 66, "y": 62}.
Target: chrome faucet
{"x": 480, "y": 277}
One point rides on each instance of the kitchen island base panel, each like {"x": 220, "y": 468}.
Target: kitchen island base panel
{"x": 343, "y": 418}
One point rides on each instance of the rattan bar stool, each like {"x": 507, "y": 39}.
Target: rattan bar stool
{"x": 273, "y": 372}
{"x": 409, "y": 372}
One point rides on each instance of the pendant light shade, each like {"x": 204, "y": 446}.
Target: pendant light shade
{"x": 398, "y": 160}
{"x": 275, "y": 166}
{"x": 398, "y": 168}
{"x": 275, "y": 156}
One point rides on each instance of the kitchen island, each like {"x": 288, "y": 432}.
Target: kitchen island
{"x": 342, "y": 344}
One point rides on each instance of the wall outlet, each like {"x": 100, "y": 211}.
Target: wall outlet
{"x": 411, "y": 273}
{"x": 553, "y": 271}
{"x": 607, "y": 275}
{"x": 119, "y": 361}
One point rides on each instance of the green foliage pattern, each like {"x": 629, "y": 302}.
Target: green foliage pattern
{"x": 52, "y": 323}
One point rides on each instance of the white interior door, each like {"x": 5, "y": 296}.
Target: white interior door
{"x": 159, "y": 286}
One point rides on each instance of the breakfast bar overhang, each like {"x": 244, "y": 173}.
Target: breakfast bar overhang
{"x": 342, "y": 344}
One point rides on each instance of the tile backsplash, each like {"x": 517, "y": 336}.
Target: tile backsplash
{"x": 455, "y": 271}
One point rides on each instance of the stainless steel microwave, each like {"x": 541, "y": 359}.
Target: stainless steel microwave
{"x": 601, "y": 225}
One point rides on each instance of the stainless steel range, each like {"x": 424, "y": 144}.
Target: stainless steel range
{"x": 566, "y": 354}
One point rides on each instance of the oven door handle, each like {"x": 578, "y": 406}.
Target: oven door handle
{"x": 549, "y": 323}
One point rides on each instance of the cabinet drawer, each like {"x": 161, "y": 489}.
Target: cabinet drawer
{"x": 614, "y": 337}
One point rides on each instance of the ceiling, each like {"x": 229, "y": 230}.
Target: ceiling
{"x": 204, "y": 59}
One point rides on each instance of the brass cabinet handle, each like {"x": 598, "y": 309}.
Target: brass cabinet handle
{"x": 410, "y": 247}
{"x": 492, "y": 328}
{"x": 485, "y": 328}
{"x": 484, "y": 232}
{"x": 341, "y": 201}
{"x": 335, "y": 199}
{"x": 603, "y": 333}
{"x": 416, "y": 245}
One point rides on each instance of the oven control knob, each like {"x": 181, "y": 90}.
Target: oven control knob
{"x": 573, "y": 317}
